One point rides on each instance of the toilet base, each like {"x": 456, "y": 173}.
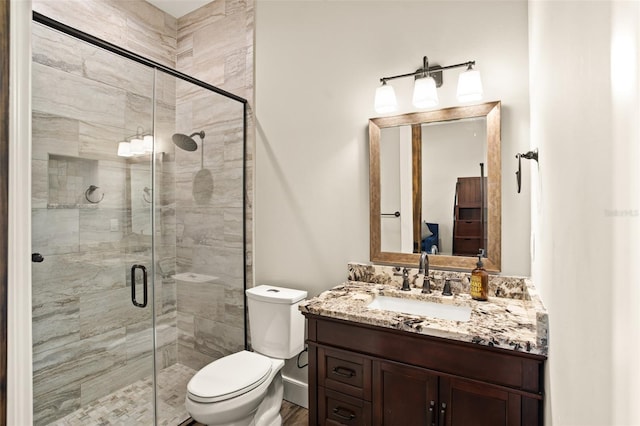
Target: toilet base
{"x": 244, "y": 410}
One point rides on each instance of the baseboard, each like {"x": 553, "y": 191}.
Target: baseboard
{"x": 296, "y": 392}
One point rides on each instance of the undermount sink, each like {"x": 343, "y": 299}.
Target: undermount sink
{"x": 421, "y": 307}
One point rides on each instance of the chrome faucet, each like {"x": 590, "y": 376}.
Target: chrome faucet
{"x": 423, "y": 268}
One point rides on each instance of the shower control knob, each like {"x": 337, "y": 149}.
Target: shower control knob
{"x": 36, "y": 257}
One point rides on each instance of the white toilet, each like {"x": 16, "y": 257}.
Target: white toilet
{"x": 245, "y": 388}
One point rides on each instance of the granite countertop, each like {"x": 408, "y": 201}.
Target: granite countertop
{"x": 518, "y": 324}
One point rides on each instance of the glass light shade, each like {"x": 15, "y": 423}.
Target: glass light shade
{"x": 137, "y": 146}
{"x": 469, "y": 86}
{"x": 425, "y": 94}
{"x": 124, "y": 149}
{"x": 147, "y": 142}
{"x": 385, "y": 99}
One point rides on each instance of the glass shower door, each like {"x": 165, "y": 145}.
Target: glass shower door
{"x": 92, "y": 215}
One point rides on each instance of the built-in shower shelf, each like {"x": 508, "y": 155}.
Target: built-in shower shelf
{"x": 192, "y": 277}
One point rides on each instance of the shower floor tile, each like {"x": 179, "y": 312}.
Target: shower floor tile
{"x": 132, "y": 405}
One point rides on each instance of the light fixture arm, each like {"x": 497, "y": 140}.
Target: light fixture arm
{"x": 427, "y": 80}
{"x": 426, "y": 69}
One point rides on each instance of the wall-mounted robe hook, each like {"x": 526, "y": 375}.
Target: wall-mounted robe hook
{"x": 89, "y": 192}
{"x": 531, "y": 155}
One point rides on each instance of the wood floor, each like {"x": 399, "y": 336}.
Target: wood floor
{"x": 292, "y": 415}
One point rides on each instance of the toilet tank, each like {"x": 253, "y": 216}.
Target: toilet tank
{"x": 275, "y": 323}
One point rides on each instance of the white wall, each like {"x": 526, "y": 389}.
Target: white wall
{"x": 318, "y": 64}
{"x": 586, "y": 209}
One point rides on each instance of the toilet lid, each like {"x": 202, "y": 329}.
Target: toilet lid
{"x": 229, "y": 377}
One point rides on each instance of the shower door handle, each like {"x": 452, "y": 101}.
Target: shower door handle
{"x": 144, "y": 286}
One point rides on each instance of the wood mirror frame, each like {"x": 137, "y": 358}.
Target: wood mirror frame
{"x": 489, "y": 110}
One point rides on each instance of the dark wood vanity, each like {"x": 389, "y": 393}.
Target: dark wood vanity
{"x": 362, "y": 374}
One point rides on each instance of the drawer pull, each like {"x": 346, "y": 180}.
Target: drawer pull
{"x": 348, "y": 416}
{"x": 344, "y": 372}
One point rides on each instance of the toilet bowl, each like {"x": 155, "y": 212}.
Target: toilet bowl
{"x": 245, "y": 388}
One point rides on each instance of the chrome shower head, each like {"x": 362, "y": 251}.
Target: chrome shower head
{"x": 186, "y": 142}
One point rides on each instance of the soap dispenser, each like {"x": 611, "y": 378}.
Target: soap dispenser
{"x": 479, "y": 280}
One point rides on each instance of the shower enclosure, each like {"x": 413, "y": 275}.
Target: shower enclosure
{"x": 139, "y": 242}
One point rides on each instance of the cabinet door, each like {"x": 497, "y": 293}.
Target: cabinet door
{"x": 403, "y": 395}
{"x": 464, "y": 403}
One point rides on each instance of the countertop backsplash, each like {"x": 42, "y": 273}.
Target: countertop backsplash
{"x": 499, "y": 286}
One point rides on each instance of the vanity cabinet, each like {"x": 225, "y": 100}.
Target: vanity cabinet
{"x": 366, "y": 375}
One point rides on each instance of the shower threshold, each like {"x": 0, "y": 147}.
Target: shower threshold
{"x": 132, "y": 405}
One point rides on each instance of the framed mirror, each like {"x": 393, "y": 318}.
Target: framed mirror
{"x": 435, "y": 186}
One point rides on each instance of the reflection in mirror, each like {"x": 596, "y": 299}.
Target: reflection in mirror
{"x": 450, "y": 150}
{"x": 435, "y": 186}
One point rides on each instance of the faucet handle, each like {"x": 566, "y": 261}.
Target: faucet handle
{"x": 446, "y": 291}
{"x": 426, "y": 285}
{"x": 405, "y": 280}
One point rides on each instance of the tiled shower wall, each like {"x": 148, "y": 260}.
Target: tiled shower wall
{"x": 87, "y": 339}
{"x": 215, "y": 44}
{"x": 80, "y": 354}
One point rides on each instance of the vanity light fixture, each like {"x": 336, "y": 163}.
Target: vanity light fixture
{"x": 138, "y": 144}
{"x": 427, "y": 79}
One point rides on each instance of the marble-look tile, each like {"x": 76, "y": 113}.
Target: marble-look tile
{"x": 75, "y": 97}
{"x": 95, "y": 226}
{"x": 116, "y": 378}
{"x": 58, "y": 403}
{"x": 116, "y": 71}
{"x": 74, "y": 274}
{"x": 191, "y": 358}
{"x": 55, "y": 323}
{"x": 111, "y": 178}
{"x": 202, "y": 226}
{"x": 217, "y": 40}
{"x": 234, "y": 309}
{"x": 56, "y": 50}
{"x": 235, "y": 72}
{"x": 227, "y": 188}
{"x": 99, "y": 18}
{"x": 110, "y": 310}
{"x": 55, "y": 231}
{"x": 138, "y": 114}
{"x": 39, "y": 184}
{"x": 150, "y": 37}
{"x": 77, "y": 362}
{"x": 100, "y": 142}
{"x": 218, "y": 339}
{"x": 132, "y": 404}
{"x": 233, "y": 228}
{"x": 206, "y": 15}
{"x": 167, "y": 355}
{"x": 52, "y": 134}
{"x": 186, "y": 329}
{"x": 223, "y": 262}
{"x": 135, "y": 25}
{"x": 203, "y": 300}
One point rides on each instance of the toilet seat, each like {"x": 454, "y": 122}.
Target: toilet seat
{"x": 229, "y": 377}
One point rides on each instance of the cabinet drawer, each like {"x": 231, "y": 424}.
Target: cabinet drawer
{"x": 468, "y": 228}
{"x": 335, "y": 408}
{"x": 467, "y": 245}
{"x": 345, "y": 372}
